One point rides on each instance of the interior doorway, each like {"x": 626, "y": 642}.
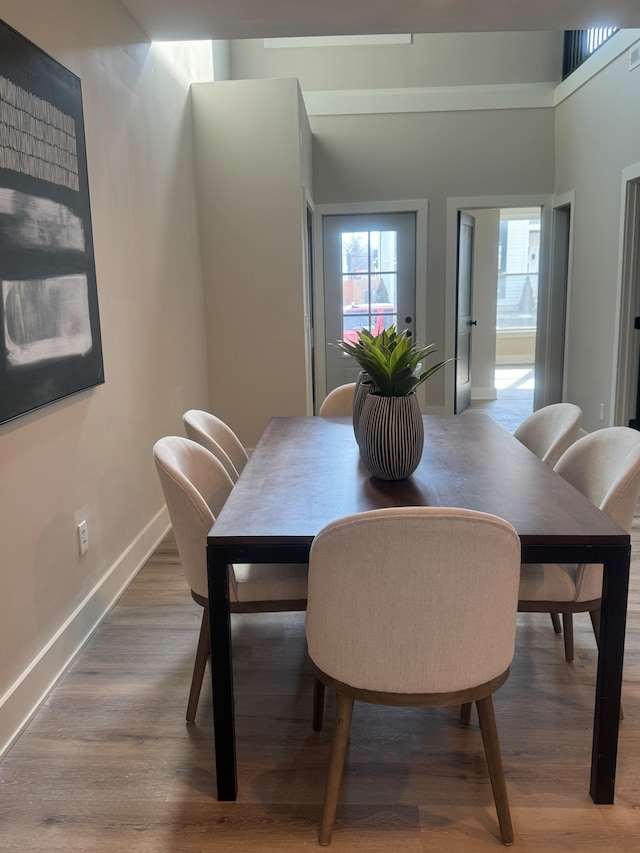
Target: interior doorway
{"x": 506, "y": 278}
{"x": 519, "y": 238}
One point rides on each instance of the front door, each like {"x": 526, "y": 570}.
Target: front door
{"x": 369, "y": 263}
{"x": 464, "y": 323}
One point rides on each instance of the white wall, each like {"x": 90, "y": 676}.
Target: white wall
{"x": 442, "y": 59}
{"x": 251, "y": 140}
{"x": 89, "y": 456}
{"x": 597, "y": 133}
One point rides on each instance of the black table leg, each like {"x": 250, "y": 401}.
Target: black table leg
{"x": 615, "y": 589}
{"x": 224, "y": 732}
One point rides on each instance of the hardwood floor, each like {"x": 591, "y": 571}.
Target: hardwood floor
{"x": 109, "y": 764}
{"x": 515, "y": 396}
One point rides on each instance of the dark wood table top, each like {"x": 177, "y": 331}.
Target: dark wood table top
{"x": 305, "y": 472}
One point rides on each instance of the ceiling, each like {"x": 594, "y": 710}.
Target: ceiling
{"x": 232, "y": 19}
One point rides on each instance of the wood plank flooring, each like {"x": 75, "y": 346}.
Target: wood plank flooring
{"x": 109, "y": 764}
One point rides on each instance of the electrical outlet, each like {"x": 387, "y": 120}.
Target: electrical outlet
{"x": 601, "y": 411}
{"x": 83, "y": 537}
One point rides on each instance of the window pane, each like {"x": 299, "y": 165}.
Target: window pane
{"x": 384, "y": 290}
{"x": 352, "y": 324}
{"x": 387, "y": 251}
{"x": 355, "y": 251}
{"x": 518, "y": 276}
{"x": 369, "y": 282}
{"x": 353, "y": 321}
{"x": 355, "y": 291}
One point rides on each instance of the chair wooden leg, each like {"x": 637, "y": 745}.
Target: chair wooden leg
{"x": 567, "y": 624}
{"x": 555, "y": 620}
{"x": 465, "y": 714}
{"x": 344, "y": 712}
{"x": 202, "y": 653}
{"x": 318, "y": 704}
{"x": 491, "y": 743}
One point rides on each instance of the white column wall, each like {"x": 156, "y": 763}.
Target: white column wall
{"x": 250, "y": 138}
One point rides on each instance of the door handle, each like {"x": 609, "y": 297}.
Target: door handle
{"x": 473, "y": 322}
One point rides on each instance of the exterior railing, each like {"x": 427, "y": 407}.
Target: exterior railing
{"x": 580, "y": 44}
{"x": 517, "y": 301}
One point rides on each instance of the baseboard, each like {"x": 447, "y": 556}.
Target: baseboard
{"x": 484, "y": 394}
{"x": 25, "y": 696}
{"x": 513, "y": 360}
{"x": 435, "y": 410}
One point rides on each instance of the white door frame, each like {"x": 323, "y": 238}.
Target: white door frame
{"x": 417, "y": 206}
{"x": 625, "y": 367}
{"x": 307, "y": 204}
{"x": 557, "y": 284}
{"x": 454, "y": 204}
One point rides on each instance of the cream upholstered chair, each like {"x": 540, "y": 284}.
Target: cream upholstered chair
{"x": 549, "y": 431}
{"x": 605, "y": 467}
{"x": 195, "y": 486}
{"x": 413, "y": 606}
{"x": 214, "y": 434}
{"x": 339, "y": 402}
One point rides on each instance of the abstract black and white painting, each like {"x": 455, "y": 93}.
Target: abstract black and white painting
{"x": 50, "y": 345}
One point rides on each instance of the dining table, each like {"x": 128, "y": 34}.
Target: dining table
{"x": 306, "y": 471}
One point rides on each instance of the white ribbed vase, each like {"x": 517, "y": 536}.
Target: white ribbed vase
{"x": 391, "y": 435}
{"x": 364, "y": 386}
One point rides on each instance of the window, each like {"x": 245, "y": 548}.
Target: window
{"x": 369, "y": 282}
{"x": 519, "y": 249}
{"x": 580, "y": 44}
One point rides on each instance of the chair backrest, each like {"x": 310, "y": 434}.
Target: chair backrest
{"x": 195, "y": 486}
{"x": 549, "y": 431}
{"x": 339, "y": 402}
{"x": 605, "y": 467}
{"x": 212, "y": 432}
{"x": 414, "y": 599}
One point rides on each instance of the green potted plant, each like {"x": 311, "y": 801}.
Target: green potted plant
{"x": 387, "y": 419}
{"x": 392, "y": 360}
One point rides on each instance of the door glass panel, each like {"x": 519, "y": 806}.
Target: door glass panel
{"x": 355, "y": 251}
{"x": 369, "y": 282}
{"x": 369, "y": 263}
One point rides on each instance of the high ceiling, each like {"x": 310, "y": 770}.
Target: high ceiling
{"x": 231, "y": 19}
